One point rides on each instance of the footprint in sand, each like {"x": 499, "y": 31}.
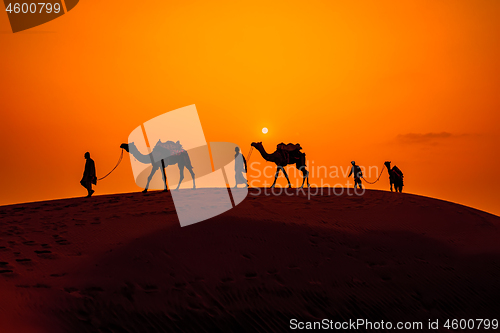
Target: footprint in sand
{"x": 41, "y": 285}
{"x": 62, "y": 241}
{"x": 150, "y": 288}
{"x": 313, "y": 241}
{"x": 58, "y": 274}
{"x": 70, "y": 290}
{"x": 3, "y": 268}
{"x": 23, "y": 260}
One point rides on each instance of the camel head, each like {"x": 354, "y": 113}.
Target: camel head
{"x": 256, "y": 144}
{"x": 124, "y": 146}
{"x": 388, "y": 165}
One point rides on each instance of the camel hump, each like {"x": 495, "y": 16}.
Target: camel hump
{"x": 398, "y": 171}
{"x": 175, "y": 148}
{"x": 289, "y": 147}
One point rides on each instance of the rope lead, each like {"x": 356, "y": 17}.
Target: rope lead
{"x": 377, "y": 178}
{"x": 119, "y": 160}
{"x": 249, "y": 154}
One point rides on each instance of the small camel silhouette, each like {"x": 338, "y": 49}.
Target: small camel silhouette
{"x": 287, "y": 154}
{"x": 176, "y": 155}
{"x": 395, "y": 177}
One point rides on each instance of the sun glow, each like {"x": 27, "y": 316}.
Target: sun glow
{"x": 264, "y": 130}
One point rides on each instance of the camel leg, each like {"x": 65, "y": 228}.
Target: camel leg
{"x": 163, "y": 175}
{"x": 284, "y": 172}
{"x": 155, "y": 167}
{"x": 305, "y": 175}
{"x": 181, "y": 173}
{"x": 276, "y": 176}
{"x": 192, "y": 175}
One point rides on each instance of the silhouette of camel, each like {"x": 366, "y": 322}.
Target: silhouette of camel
{"x": 395, "y": 177}
{"x": 175, "y": 155}
{"x": 284, "y": 156}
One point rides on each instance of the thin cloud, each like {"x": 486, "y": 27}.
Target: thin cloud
{"x": 424, "y": 138}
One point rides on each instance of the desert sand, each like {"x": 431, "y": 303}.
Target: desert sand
{"x": 122, "y": 263}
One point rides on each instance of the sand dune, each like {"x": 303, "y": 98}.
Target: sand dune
{"x": 122, "y": 263}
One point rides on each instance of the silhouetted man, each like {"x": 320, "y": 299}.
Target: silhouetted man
{"x": 356, "y": 172}
{"x": 240, "y": 166}
{"x": 89, "y": 175}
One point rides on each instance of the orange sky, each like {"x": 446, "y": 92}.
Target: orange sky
{"x": 415, "y": 82}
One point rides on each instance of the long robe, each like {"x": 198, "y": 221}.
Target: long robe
{"x": 89, "y": 174}
{"x": 240, "y": 166}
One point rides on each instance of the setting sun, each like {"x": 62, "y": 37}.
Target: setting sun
{"x": 264, "y": 130}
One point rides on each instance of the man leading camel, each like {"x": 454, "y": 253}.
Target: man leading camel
{"x": 357, "y": 174}
{"x": 89, "y": 175}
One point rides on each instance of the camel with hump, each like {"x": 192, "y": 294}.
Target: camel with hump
{"x": 395, "y": 177}
{"x": 284, "y": 155}
{"x": 174, "y": 154}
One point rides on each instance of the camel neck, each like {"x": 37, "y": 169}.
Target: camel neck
{"x": 138, "y": 155}
{"x": 264, "y": 153}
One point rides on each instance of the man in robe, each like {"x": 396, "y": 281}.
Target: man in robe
{"x": 357, "y": 174}
{"x": 240, "y": 166}
{"x": 89, "y": 175}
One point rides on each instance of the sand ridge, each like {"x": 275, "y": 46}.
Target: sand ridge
{"x": 122, "y": 263}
